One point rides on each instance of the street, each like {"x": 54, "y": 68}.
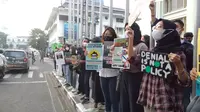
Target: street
{"x": 35, "y": 91}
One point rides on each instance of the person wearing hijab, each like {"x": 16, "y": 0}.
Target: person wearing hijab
{"x": 131, "y": 78}
{"x": 156, "y": 93}
{"x": 108, "y": 78}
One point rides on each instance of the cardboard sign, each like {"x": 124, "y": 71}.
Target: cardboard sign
{"x": 94, "y": 59}
{"x": 107, "y": 56}
{"x": 156, "y": 64}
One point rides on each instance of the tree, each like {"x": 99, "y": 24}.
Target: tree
{"x": 38, "y": 39}
{"x": 3, "y": 39}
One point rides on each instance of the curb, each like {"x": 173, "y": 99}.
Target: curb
{"x": 78, "y": 106}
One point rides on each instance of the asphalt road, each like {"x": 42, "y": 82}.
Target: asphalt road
{"x": 35, "y": 91}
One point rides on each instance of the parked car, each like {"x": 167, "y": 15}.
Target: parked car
{"x": 3, "y": 67}
{"x": 17, "y": 60}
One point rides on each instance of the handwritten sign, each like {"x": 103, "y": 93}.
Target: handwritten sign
{"x": 155, "y": 64}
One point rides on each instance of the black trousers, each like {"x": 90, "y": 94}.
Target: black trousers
{"x": 81, "y": 82}
{"x": 129, "y": 92}
{"x": 86, "y": 83}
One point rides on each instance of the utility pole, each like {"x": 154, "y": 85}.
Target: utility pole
{"x": 100, "y": 17}
{"x": 92, "y": 22}
{"x": 111, "y": 13}
{"x": 127, "y": 11}
{"x": 86, "y": 19}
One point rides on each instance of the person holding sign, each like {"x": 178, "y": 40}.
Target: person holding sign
{"x": 108, "y": 76}
{"x": 159, "y": 94}
{"x": 132, "y": 78}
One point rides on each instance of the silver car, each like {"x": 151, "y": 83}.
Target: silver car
{"x": 17, "y": 60}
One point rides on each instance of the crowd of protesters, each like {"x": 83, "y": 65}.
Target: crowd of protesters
{"x": 130, "y": 90}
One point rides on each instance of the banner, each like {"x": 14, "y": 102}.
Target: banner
{"x": 94, "y": 59}
{"x": 156, "y": 64}
{"x": 66, "y": 29}
{"x": 198, "y": 65}
{"x": 107, "y": 56}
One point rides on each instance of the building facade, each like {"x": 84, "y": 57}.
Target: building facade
{"x": 18, "y": 42}
{"x": 57, "y": 25}
{"x": 178, "y": 9}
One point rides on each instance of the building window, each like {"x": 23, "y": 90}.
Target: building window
{"x": 18, "y": 40}
{"x": 120, "y": 30}
{"x": 8, "y": 40}
{"x": 119, "y": 20}
{"x": 23, "y": 40}
{"x": 172, "y": 5}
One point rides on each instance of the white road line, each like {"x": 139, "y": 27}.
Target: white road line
{"x": 7, "y": 76}
{"x": 18, "y": 76}
{"x": 32, "y": 82}
{"x": 41, "y": 75}
{"x": 30, "y": 74}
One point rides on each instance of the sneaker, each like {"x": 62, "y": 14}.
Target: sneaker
{"x": 82, "y": 98}
{"x": 73, "y": 90}
{"x": 86, "y": 101}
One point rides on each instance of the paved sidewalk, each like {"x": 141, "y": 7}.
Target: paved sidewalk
{"x": 75, "y": 99}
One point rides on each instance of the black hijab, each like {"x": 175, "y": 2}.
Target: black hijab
{"x": 137, "y": 34}
{"x": 171, "y": 42}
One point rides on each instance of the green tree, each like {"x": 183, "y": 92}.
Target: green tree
{"x": 3, "y": 39}
{"x": 38, "y": 39}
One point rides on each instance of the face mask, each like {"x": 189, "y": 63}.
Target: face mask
{"x": 179, "y": 31}
{"x": 157, "y": 34}
{"x": 67, "y": 48}
{"x": 182, "y": 40}
{"x": 84, "y": 44}
{"x": 108, "y": 38}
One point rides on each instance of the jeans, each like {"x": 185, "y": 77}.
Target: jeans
{"x": 67, "y": 73}
{"x": 74, "y": 78}
{"x": 81, "y": 82}
{"x": 86, "y": 83}
{"x": 108, "y": 86}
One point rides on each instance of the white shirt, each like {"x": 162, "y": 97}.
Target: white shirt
{"x": 106, "y": 72}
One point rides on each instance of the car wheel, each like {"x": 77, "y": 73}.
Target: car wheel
{"x": 1, "y": 75}
{"x": 26, "y": 70}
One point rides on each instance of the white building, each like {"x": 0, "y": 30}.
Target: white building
{"x": 178, "y": 9}
{"x": 20, "y": 42}
{"x": 58, "y": 20}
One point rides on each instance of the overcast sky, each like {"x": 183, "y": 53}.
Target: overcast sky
{"x": 20, "y": 16}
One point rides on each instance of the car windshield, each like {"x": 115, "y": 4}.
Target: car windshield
{"x": 16, "y": 54}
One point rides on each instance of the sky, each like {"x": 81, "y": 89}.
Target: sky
{"x": 20, "y": 16}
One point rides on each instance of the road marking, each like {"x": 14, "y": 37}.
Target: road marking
{"x": 18, "y": 76}
{"x": 32, "y": 82}
{"x": 30, "y": 74}
{"x": 7, "y": 76}
{"x": 41, "y": 75}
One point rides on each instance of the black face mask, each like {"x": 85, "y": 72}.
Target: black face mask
{"x": 108, "y": 38}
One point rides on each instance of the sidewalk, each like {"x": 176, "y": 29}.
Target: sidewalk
{"x": 75, "y": 99}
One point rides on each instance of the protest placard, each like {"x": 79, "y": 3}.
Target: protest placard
{"x": 156, "y": 64}
{"x": 94, "y": 58}
{"x": 107, "y": 55}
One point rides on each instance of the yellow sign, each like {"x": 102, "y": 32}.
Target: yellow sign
{"x": 198, "y": 52}
{"x": 94, "y": 54}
